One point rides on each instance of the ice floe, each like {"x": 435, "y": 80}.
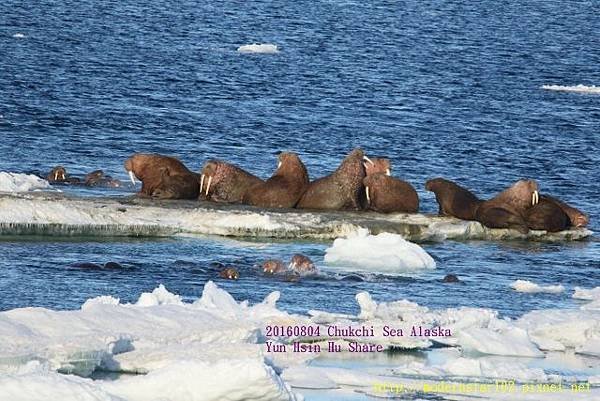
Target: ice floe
{"x": 44, "y": 213}
{"x": 573, "y": 88}
{"x": 214, "y": 348}
{"x": 265, "y": 48}
{"x": 16, "y": 182}
{"x": 528, "y": 286}
{"x": 382, "y": 253}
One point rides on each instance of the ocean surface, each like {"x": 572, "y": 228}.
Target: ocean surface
{"x": 450, "y": 89}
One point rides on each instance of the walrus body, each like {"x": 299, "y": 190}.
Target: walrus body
{"x": 224, "y": 182}
{"x": 546, "y": 215}
{"x": 454, "y": 200}
{"x": 162, "y": 173}
{"x": 576, "y": 217}
{"x": 508, "y": 209}
{"x": 339, "y": 191}
{"x": 284, "y": 188}
{"x": 97, "y": 178}
{"x": 387, "y": 194}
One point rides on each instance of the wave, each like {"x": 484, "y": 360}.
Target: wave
{"x": 43, "y": 213}
{"x": 264, "y": 48}
{"x": 576, "y": 88}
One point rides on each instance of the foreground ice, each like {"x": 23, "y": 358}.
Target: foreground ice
{"x": 382, "y": 253}
{"x": 575, "y": 88}
{"x": 528, "y": 286}
{"x": 36, "y": 213}
{"x": 216, "y": 348}
{"x": 265, "y": 48}
{"x": 16, "y": 182}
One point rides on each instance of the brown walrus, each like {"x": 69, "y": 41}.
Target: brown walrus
{"x": 552, "y": 215}
{"x": 377, "y": 165}
{"x": 58, "y": 175}
{"x": 177, "y": 186}
{"x": 508, "y": 208}
{"x": 150, "y": 169}
{"x": 98, "y": 178}
{"x": 284, "y": 188}
{"x": 453, "y": 200}
{"x": 224, "y": 182}
{"x": 229, "y": 273}
{"x": 340, "y": 190}
{"x": 387, "y": 194}
{"x": 273, "y": 266}
{"x": 302, "y": 264}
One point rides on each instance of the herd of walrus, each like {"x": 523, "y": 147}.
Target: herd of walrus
{"x": 359, "y": 183}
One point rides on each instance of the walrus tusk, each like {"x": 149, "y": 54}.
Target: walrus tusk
{"x": 388, "y": 172}
{"x": 279, "y": 164}
{"x": 208, "y": 184}
{"x": 201, "y": 183}
{"x": 132, "y": 177}
{"x": 369, "y": 160}
{"x": 62, "y": 176}
{"x": 535, "y": 198}
{"x": 368, "y": 197}
{"x": 56, "y": 176}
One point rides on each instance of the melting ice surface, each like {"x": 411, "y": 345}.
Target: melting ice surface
{"x": 382, "y": 253}
{"x": 214, "y": 348}
{"x": 528, "y": 286}
{"x": 16, "y": 182}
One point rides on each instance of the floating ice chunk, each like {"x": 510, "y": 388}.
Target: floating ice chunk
{"x": 383, "y": 253}
{"x": 511, "y": 341}
{"x": 528, "y": 286}
{"x": 588, "y": 295}
{"x": 16, "y": 182}
{"x": 19, "y": 35}
{"x": 160, "y": 296}
{"x": 574, "y": 88}
{"x": 265, "y": 48}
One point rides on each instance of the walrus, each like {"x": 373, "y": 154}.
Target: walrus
{"x": 386, "y": 194}
{"x": 453, "y": 200}
{"x": 178, "y": 186}
{"x": 229, "y": 273}
{"x": 508, "y": 208}
{"x": 58, "y": 175}
{"x": 451, "y": 278}
{"x": 377, "y": 165}
{"x": 284, "y": 188}
{"x": 273, "y": 266}
{"x": 302, "y": 265}
{"x": 98, "y": 178}
{"x": 150, "y": 169}
{"x": 553, "y": 215}
{"x": 225, "y": 182}
{"x": 340, "y": 190}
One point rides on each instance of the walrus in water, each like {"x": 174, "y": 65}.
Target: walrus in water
{"x": 302, "y": 264}
{"x": 273, "y": 266}
{"x": 176, "y": 186}
{"x": 97, "y": 178}
{"x": 508, "y": 208}
{"x": 552, "y": 215}
{"x": 284, "y": 188}
{"x": 229, "y": 273}
{"x": 225, "y": 182}
{"x": 340, "y": 190}
{"x": 386, "y": 194}
{"x": 150, "y": 169}
{"x": 453, "y": 200}
{"x": 58, "y": 175}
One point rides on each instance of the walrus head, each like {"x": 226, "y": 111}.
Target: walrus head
{"x": 435, "y": 184}
{"x": 521, "y": 195}
{"x": 289, "y": 163}
{"x": 301, "y": 264}
{"x": 273, "y": 266}
{"x": 209, "y": 170}
{"x": 132, "y": 166}
{"x": 230, "y": 273}
{"x": 374, "y": 166}
{"x": 58, "y": 173}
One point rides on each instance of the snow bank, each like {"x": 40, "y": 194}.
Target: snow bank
{"x": 528, "y": 286}
{"x": 264, "y": 48}
{"x": 575, "y": 88}
{"x": 383, "y": 253}
{"x": 15, "y": 182}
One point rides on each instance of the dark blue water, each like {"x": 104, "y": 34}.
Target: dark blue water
{"x": 448, "y": 89}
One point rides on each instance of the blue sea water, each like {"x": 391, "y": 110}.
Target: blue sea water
{"x": 450, "y": 89}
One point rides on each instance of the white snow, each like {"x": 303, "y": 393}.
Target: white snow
{"x": 574, "y": 88}
{"x": 587, "y": 294}
{"x": 16, "y": 182}
{"x": 528, "y": 286}
{"x": 264, "y": 48}
{"x": 382, "y": 253}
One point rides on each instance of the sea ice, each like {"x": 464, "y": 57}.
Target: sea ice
{"x": 16, "y": 182}
{"x": 528, "y": 286}
{"x": 265, "y": 48}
